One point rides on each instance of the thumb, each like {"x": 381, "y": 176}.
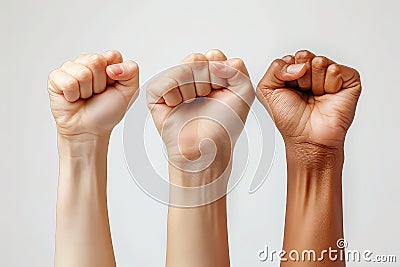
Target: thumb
{"x": 233, "y": 70}
{"x": 278, "y": 73}
{"x": 125, "y": 74}
{"x": 281, "y": 72}
{"x": 126, "y": 77}
{"x": 237, "y": 77}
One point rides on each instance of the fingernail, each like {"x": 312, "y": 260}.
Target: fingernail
{"x": 295, "y": 68}
{"x": 116, "y": 69}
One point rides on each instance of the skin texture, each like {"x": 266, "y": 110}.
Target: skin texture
{"x": 312, "y": 101}
{"x": 200, "y": 152}
{"x": 88, "y": 97}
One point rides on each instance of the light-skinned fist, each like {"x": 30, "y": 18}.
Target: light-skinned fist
{"x": 199, "y": 108}
{"x": 90, "y": 95}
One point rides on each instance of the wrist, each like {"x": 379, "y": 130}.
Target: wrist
{"x": 206, "y": 162}
{"x": 313, "y": 156}
{"x": 82, "y": 145}
{"x": 197, "y": 189}
{"x": 316, "y": 168}
{"x": 82, "y": 166}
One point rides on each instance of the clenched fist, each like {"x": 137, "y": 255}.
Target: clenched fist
{"x": 311, "y": 98}
{"x": 90, "y": 95}
{"x": 199, "y": 108}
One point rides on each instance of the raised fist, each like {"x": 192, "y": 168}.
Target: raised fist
{"x": 90, "y": 95}
{"x": 199, "y": 108}
{"x": 311, "y": 98}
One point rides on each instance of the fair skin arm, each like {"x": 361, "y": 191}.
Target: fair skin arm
{"x": 83, "y": 235}
{"x": 197, "y": 220}
{"x": 312, "y": 101}
{"x": 88, "y": 97}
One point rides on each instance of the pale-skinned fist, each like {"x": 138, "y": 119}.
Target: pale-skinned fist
{"x": 90, "y": 95}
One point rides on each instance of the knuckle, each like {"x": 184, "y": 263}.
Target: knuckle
{"x": 66, "y": 64}
{"x": 153, "y": 85}
{"x": 52, "y": 75}
{"x": 333, "y": 70}
{"x": 303, "y": 54}
{"x": 161, "y": 84}
{"x": 276, "y": 64}
{"x": 84, "y": 75}
{"x": 237, "y": 62}
{"x": 357, "y": 75}
{"x": 134, "y": 65}
{"x": 116, "y": 55}
{"x": 69, "y": 84}
{"x": 81, "y": 56}
{"x": 215, "y": 53}
{"x": 196, "y": 57}
{"x": 97, "y": 61}
{"x": 184, "y": 73}
{"x": 288, "y": 58}
{"x": 320, "y": 62}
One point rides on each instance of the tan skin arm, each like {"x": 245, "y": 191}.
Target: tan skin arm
{"x": 312, "y": 101}
{"x": 197, "y": 234}
{"x": 88, "y": 97}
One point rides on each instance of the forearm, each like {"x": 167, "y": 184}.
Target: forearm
{"x": 83, "y": 234}
{"x": 198, "y": 236}
{"x": 314, "y": 215}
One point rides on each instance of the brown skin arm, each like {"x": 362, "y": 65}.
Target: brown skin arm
{"x": 312, "y": 101}
{"x": 314, "y": 215}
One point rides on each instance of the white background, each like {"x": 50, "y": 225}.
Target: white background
{"x": 37, "y": 36}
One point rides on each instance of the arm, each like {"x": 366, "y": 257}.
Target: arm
{"x": 197, "y": 235}
{"x": 200, "y": 135}
{"x": 83, "y": 234}
{"x": 88, "y": 97}
{"x": 312, "y": 100}
{"x": 314, "y": 214}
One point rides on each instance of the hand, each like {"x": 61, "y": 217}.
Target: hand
{"x": 311, "y": 99}
{"x": 90, "y": 95}
{"x": 199, "y": 108}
